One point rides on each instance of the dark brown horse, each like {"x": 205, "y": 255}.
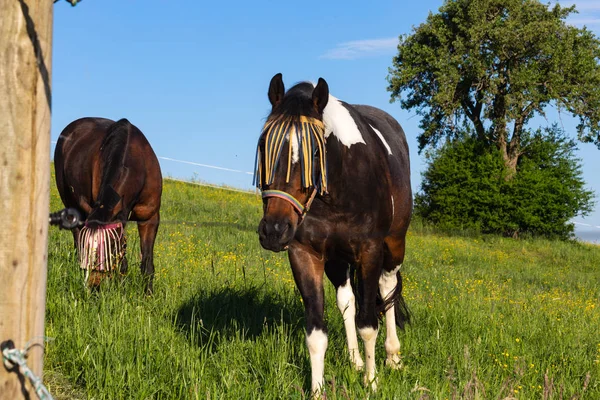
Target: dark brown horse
{"x": 335, "y": 180}
{"x": 108, "y": 171}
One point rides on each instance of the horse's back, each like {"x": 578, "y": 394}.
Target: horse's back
{"x": 389, "y": 128}
{"x": 80, "y": 141}
{"x": 79, "y": 166}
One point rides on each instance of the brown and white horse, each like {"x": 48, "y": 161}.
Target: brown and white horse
{"x": 335, "y": 181}
{"x": 108, "y": 171}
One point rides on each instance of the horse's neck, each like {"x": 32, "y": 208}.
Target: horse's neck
{"x": 353, "y": 173}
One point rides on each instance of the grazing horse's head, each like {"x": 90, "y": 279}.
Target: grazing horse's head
{"x": 291, "y": 164}
{"x": 101, "y": 242}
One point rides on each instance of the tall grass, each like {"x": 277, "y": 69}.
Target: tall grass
{"x": 492, "y": 318}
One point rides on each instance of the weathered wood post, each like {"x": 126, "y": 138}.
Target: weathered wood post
{"x": 25, "y": 102}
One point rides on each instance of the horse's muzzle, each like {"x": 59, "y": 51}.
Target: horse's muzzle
{"x": 275, "y": 234}
{"x": 101, "y": 249}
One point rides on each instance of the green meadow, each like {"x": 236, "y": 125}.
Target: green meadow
{"x": 492, "y": 318}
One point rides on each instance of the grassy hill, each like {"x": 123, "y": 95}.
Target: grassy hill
{"x": 492, "y": 318}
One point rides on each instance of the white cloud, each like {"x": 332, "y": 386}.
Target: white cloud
{"x": 362, "y": 48}
{"x": 588, "y": 13}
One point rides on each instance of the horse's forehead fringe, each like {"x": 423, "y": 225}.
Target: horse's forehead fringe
{"x": 277, "y": 119}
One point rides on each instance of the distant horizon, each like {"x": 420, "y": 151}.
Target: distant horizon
{"x": 589, "y": 235}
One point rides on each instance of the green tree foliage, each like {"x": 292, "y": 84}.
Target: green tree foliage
{"x": 465, "y": 187}
{"x": 490, "y": 66}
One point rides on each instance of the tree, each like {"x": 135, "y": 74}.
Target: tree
{"x": 465, "y": 187}
{"x": 489, "y": 66}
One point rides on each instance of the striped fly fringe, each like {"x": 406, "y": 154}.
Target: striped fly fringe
{"x": 310, "y": 137}
{"x": 101, "y": 249}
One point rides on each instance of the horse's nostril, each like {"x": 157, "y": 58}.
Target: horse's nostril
{"x": 262, "y": 228}
{"x": 281, "y": 228}
{"x": 275, "y": 230}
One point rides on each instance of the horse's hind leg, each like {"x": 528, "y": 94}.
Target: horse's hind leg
{"x": 147, "y": 230}
{"x": 368, "y": 273}
{"x": 339, "y": 274}
{"x": 390, "y": 288}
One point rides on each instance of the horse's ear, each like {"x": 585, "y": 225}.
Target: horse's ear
{"x": 276, "y": 90}
{"x": 320, "y": 95}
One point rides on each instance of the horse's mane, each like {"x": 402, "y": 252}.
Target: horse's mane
{"x": 113, "y": 151}
{"x": 295, "y": 102}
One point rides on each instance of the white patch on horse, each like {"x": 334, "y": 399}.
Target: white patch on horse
{"x": 317, "y": 344}
{"x": 337, "y": 120}
{"x": 346, "y": 305}
{"x": 387, "y": 284}
{"x": 369, "y": 337}
{"x": 295, "y": 147}
{"x": 387, "y": 146}
{"x": 393, "y": 208}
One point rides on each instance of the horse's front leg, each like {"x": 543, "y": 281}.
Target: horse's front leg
{"x": 307, "y": 268}
{"x": 338, "y": 273}
{"x": 75, "y": 232}
{"x": 147, "y": 230}
{"x": 369, "y": 269}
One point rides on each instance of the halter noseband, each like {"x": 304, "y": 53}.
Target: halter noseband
{"x": 302, "y": 210}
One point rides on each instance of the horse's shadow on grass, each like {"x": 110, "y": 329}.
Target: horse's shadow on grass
{"x": 243, "y": 313}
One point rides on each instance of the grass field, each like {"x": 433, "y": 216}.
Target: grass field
{"x": 492, "y": 318}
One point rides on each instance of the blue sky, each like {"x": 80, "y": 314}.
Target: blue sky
{"x": 193, "y": 76}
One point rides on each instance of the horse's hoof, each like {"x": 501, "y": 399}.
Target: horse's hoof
{"x": 358, "y": 364}
{"x": 371, "y": 381}
{"x": 394, "y": 362}
{"x": 356, "y": 360}
{"x": 149, "y": 290}
{"x": 320, "y": 395}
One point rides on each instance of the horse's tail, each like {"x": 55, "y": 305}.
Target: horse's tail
{"x": 113, "y": 151}
{"x": 394, "y": 299}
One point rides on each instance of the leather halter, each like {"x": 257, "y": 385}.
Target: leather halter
{"x": 302, "y": 210}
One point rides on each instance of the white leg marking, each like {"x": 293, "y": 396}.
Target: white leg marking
{"x": 317, "y": 344}
{"x": 347, "y": 306}
{"x": 369, "y": 336}
{"x": 387, "y": 146}
{"x": 387, "y": 284}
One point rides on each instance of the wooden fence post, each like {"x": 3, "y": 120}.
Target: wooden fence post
{"x": 25, "y": 103}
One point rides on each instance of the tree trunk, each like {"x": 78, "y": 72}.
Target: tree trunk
{"x": 509, "y": 156}
{"x": 25, "y": 65}
{"x": 511, "y": 151}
